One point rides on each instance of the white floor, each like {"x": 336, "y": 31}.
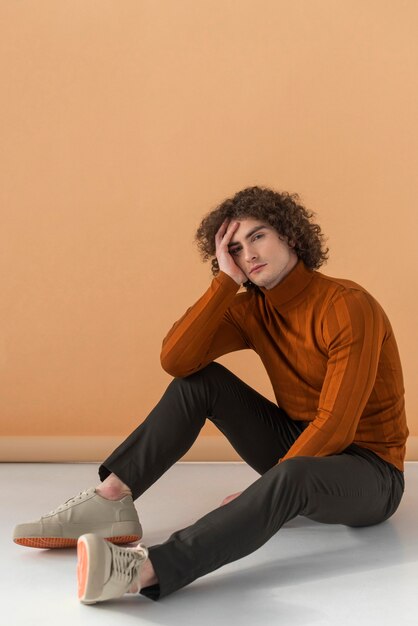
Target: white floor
{"x": 307, "y": 574}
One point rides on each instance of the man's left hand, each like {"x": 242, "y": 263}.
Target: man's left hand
{"x": 231, "y": 497}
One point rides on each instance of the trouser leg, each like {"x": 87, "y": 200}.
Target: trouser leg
{"x": 257, "y": 428}
{"x": 354, "y": 488}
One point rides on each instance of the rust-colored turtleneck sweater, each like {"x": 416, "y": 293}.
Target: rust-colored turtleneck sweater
{"x": 328, "y": 348}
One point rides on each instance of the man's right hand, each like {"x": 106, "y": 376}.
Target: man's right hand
{"x": 225, "y": 261}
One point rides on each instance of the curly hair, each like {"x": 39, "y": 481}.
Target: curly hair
{"x": 281, "y": 210}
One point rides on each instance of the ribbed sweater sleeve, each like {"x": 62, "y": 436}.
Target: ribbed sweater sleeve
{"x": 353, "y": 333}
{"x": 206, "y": 331}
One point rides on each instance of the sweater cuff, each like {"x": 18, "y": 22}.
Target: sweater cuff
{"x": 225, "y": 279}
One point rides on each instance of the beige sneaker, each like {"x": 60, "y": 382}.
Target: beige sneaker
{"x": 114, "y": 520}
{"x": 105, "y": 571}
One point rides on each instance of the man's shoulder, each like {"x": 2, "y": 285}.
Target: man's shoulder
{"x": 334, "y": 287}
{"x": 347, "y": 295}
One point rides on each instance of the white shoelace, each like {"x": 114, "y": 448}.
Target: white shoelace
{"x": 126, "y": 563}
{"x": 66, "y": 504}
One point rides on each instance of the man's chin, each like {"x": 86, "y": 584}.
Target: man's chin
{"x": 256, "y": 281}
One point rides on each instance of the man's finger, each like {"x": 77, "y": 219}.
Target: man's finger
{"x": 229, "y": 234}
{"x": 221, "y": 229}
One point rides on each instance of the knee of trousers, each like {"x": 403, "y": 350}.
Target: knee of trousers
{"x": 295, "y": 470}
{"x": 293, "y": 475}
{"x": 210, "y": 371}
{"x": 283, "y": 489}
{"x": 196, "y": 387}
{"x": 208, "y": 374}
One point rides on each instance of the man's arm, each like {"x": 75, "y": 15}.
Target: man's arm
{"x": 208, "y": 329}
{"x": 353, "y": 331}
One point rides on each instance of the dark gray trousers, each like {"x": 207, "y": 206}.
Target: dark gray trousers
{"x": 354, "y": 488}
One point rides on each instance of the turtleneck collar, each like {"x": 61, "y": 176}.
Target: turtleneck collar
{"x": 287, "y": 289}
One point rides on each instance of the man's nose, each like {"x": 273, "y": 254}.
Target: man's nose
{"x": 250, "y": 254}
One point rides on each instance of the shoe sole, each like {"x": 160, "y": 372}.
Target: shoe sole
{"x": 82, "y": 566}
{"x": 83, "y": 572}
{"x": 62, "y": 542}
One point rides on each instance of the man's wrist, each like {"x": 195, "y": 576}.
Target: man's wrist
{"x": 231, "y": 277}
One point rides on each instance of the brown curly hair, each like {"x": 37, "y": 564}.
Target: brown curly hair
{"x": 281, "y": 210}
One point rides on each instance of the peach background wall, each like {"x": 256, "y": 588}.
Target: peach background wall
{"x": 123, "y": 123}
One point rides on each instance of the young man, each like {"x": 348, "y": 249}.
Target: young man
{"x": 332, "y": 449}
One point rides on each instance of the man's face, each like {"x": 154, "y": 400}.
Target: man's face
{"x": 264, "y": 247}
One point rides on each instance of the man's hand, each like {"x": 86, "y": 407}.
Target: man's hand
{"x": 229, "y": 498}
{"x": 225, "y": 261}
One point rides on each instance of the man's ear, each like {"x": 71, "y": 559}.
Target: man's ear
{"x": 290, "y": 242}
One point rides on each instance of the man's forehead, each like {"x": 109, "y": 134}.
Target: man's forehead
{"x": 248, "y": 228}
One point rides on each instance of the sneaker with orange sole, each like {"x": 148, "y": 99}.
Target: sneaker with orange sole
{"x": 106, "y": 571}
{"x": 114, "y": 520}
